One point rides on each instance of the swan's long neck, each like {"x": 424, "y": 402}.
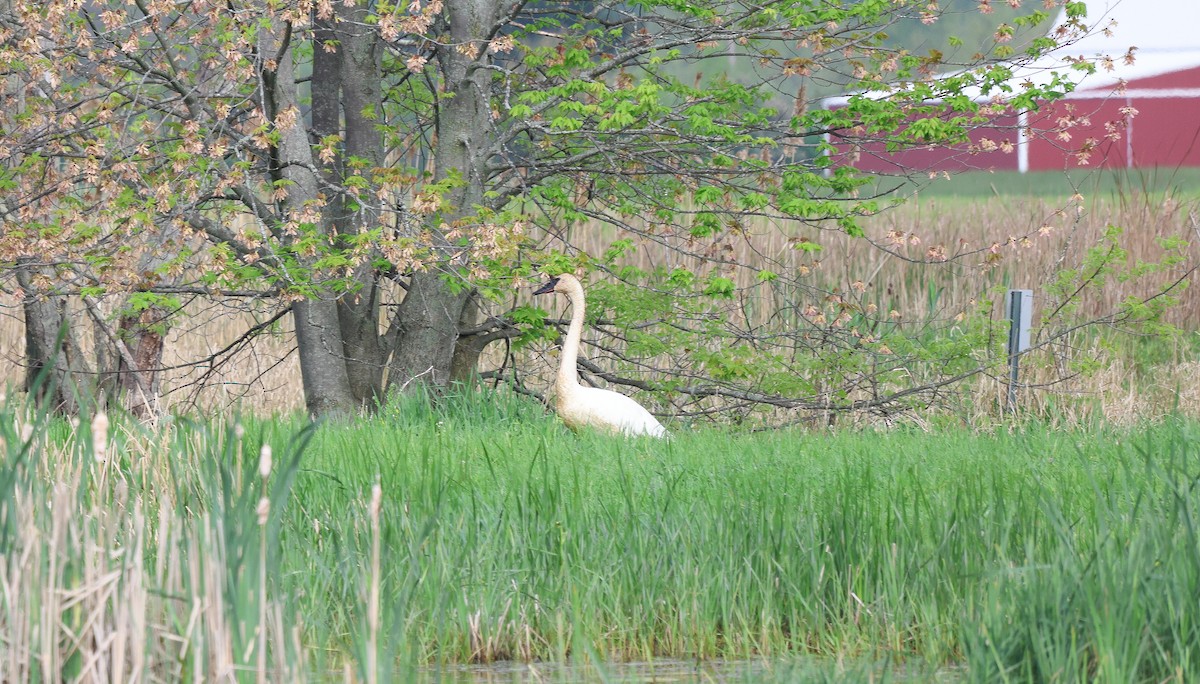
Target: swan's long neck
{"x": 568, "y": 376}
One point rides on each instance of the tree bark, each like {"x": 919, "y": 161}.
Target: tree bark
{"x": 428, "y": 330}
{"x": 318, "y": 335}
{"x": 56, "y": 372}
{"x": 429, "y": 315}
{"x": 362, "y": 104}
{"x": 322, "y": 366}
{"x": 464, "y": 365}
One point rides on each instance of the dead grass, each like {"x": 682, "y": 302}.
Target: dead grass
{"x": 262, "y": 377}
{"x": 108, "y": 580}
{"x": 937, "y": 258}
{"x": 960, "y": 247}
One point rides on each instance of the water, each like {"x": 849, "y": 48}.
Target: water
{"x": 673, "y": 670}
{"x": 615, "y": 673}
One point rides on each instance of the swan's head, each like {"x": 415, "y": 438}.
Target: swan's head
{"x": 561, "y": 284}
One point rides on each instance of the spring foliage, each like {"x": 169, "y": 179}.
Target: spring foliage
{"x": 161, "y": 147}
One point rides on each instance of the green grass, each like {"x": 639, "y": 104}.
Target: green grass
{"x": 1118, "y": 184}
{"x": 1025, "y": 555}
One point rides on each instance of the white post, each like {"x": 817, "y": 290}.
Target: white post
{"x": 1022, "y": 141}
{"x": 1128, "y": 135}
{"x": 1020, "y": 315}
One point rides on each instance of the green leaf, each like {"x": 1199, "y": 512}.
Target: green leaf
{"x": 720, "y": 287}
{"x": 681, "y": 278}
{"x": 526, "y": 315}
{"x": 705, "y": 224}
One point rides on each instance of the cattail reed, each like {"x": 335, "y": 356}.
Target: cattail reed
{"x": 373, "y": 601}
{"x": 263, "y": 512}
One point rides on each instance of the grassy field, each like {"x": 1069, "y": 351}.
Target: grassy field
{"x": 481, "y": 530}
{"x": 1107, "y": 184}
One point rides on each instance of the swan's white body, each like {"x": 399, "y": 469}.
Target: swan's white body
{"x": 592, "y": 407}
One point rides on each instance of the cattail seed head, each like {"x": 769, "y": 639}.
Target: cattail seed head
{"x": 100, "y": 436}
{"x": 264, "y": 461}
{"x": 263, "y": 510}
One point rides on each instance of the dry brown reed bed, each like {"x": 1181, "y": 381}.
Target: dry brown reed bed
{"x": 117, "y": 582}
{"x": 962, "y": 247}
{"x": 262, "y": 376}
{"x": 938, "y": 257}
{"x": 1120, "y": 389}
{"x": 932, "y": 258}
{"x": 205, "y": 365}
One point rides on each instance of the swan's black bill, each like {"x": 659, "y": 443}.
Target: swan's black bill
{"x": 548, "y": 287}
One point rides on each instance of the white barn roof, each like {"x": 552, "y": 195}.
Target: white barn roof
{"x": 1151, "y": 25}
{"x": 1165, "y": 33}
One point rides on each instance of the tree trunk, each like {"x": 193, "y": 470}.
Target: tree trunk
{"x": 360, "y": 80}
{"x": 358, "y": 315}
{"x": 322, "y": 365}
{"x": 56, "y": 373}
{"x": 430, "y": 313}
{"x": 464, "y": 366}
{"x": 143, "y": 337}
{"x": 318, "y": 334}
{"x": 427, "y": 333}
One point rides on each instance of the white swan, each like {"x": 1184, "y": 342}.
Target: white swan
{"x": 580, "y": 406}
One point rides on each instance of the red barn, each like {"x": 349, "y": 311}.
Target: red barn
{"x": 1143, "y": 112}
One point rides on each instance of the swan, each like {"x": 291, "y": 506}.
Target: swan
{"x": 580, "y": 406}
